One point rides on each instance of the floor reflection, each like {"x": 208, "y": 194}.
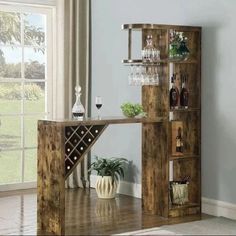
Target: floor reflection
{"x": 85, "y": 214}
{"x": 107, "y": 208}
{"x": 18, "y": 214}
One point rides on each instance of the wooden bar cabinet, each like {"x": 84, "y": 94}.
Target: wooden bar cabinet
{"x": 159, "y": 170}
{"x": 62, "y": 144}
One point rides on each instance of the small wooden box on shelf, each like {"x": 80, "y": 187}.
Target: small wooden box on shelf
{"x": 155, "y": 100}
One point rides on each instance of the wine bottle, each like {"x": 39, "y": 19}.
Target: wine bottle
{"x": 179, "y": 141}
{"x": 174, "y": 94}
{"x": 184, "y": 95}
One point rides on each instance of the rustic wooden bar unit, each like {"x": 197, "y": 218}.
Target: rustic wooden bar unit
{"x": 63, "y": 144}
{"x": 157, "y": 173}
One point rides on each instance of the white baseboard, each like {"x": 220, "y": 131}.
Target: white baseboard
{"x": 209, "y": 206}
{"x": 11, "y": 187}
{"x": 126, "y": 188}
{"x": 218, "y": 208}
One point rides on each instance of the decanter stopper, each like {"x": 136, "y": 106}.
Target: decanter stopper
{"x": 78, "y": 108}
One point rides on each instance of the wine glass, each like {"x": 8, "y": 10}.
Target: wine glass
{"x": 98, "y": 103}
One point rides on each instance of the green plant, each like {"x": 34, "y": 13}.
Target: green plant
{"x": 132, "y": 110}
{"x": 113, "y": 167}
{"x": 32, "y": 92}
{"x": 178, "y": 45}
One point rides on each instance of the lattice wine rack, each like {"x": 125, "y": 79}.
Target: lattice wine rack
{"x": 78, "y": 141}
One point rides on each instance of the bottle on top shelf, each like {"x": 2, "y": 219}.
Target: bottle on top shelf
{"x": 184, "y": 95}
{"x": 174, "y": 94}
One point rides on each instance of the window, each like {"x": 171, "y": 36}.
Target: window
{"x": 25, "y": 88}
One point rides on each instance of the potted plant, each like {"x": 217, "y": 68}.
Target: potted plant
{"x": 109, "y": 171}
{"x": 131, "y": 110}
{"x": 178, "y": 46}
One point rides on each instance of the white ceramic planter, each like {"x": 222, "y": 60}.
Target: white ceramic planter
{"x": 105, "y": 188}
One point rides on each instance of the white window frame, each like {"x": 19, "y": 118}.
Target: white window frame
{"x": 50, "y": 92}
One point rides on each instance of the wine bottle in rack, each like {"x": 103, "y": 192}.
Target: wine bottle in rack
{"x": 184, "y": 95}
{"x": 179, "y": 141}
{"x": 174, "y": 94}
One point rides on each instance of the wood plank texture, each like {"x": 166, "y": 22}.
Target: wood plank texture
{"x": 104, "y": 121}
{"x": 155, "y": 169}
{"x": 161, "y": 27}
{"x": 51, "y": 179}
{"x": 154, "y": 136}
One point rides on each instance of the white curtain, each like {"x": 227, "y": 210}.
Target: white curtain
{"x": 77, "y": 70}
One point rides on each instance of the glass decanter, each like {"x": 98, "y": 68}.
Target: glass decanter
{"x": 78, "y": 108}
{"x": 150, "y": 53}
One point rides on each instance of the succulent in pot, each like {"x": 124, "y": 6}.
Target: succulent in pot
{"x": 132, "y": 110}
{"x": 109, "y": 171}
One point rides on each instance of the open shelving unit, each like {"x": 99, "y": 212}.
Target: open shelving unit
{"x": 158, "y": 169}
{"x": 62, "y": 144}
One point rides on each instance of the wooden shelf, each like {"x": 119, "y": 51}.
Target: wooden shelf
{"x": 160, "y": 27}
{"x": 185, "y": 156}
{"x": 157, "y": 63}
{"x": 106, "y": 121}
{"x": 184, "y": 110}
{"x": 180, "y": 207}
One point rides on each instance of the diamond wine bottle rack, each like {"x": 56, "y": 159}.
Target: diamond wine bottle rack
{"x": 78, "y": 141}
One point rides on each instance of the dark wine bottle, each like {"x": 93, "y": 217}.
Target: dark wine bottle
{"x": 184, "y": 95}
{"x": 179, "y": 141}
{"x": 174, "y": 94}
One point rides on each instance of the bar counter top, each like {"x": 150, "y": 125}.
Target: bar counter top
{"x": 103, "y": 121}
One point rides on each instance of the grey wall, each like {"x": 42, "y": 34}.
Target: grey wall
{"x": 109, "y": 79}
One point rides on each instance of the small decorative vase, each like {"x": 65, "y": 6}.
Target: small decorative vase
{"x": 105, "y": 188}
{"x": 78, "y": 108}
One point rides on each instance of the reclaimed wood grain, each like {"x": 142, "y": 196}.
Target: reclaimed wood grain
{"x": 104, "y": 121}
{"x": 161, "y": 27}
{"x": 187, "y": 211}
{"x": 154, "y": 136}
{"x": 50, "y": 180}
{"x": 155, "y": 169}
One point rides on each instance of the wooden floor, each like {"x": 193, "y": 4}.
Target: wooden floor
{"x": 85, "y": 214}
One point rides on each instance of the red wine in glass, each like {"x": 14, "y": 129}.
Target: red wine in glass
{"x": 98, "y": 103}
{"x": 98, "y": 106}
